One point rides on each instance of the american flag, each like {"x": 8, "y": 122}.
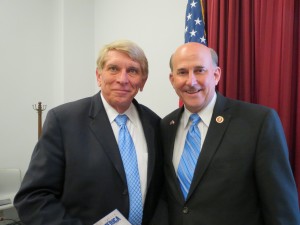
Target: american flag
{"x": 194, "y": 22}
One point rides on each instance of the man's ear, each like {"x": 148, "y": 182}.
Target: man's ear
{"x": 98, "y": 77}
{"x": 143, "y": 83}
{"x": 217, "y": 74}
{"x": 171, "y": 78}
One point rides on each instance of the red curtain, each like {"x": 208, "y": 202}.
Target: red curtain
{"x": 258, "y": 43}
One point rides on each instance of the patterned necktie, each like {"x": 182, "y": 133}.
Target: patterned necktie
{"x": 190, "y": 155}
{"x": 129, "y": 159}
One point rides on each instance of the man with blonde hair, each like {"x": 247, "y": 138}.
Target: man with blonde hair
{"x": 97, "y": 154}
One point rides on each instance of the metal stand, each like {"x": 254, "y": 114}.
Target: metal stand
{"x": 39, "y": 110}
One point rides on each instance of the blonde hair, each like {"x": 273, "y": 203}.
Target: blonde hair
{"x": 129, "y": 48}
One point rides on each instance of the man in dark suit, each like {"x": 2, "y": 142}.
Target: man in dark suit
{"x": 242, "y": 175}
{"x": 77, "y": 174}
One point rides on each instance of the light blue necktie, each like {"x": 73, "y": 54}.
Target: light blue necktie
{"x": 190, "y": 155}
{"x": 129, "y": 159}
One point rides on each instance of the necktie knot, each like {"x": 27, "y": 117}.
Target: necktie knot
{"x": 195, "y": 118}
{"x": 121, "y": 120}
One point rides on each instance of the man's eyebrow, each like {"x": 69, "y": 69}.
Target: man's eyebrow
{"x": 111, "y": 64}
{"x": 181, "y": 69}
{"x": 135, "y": 67}
{"x": 195, "y": 67}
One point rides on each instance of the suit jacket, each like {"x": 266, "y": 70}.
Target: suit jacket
{"x": 76, "y": 174}
{"x": 243, "y": 175}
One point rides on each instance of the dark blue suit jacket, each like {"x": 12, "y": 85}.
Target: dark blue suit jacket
{"x": 76, "y": 175}
{"x": 243, "y": 175}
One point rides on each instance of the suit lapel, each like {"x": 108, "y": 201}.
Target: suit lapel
{"x": 218, "y": 125}
{"x": 169, "y": 135}
{"x": 150, "y": 140}
{"x": 102, "y": 129}
{"x": 149, "y": 136}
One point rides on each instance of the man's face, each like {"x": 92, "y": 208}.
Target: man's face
{"x": 120, "y": 80}
{"x": 194, "y": 77}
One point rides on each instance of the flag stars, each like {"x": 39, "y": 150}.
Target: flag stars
{"x": 202, "y": 39}
{"x": 198, "y": 21}
{"x": 193, "y": 4}
{"x": 193, "y": 33}
{"x": 194, "y": 23}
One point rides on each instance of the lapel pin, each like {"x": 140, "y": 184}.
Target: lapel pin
{"x": 220, "y": 119}
{"x": 172, "y": 122}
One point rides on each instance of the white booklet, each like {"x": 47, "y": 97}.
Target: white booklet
{"x": 115, "y": 217}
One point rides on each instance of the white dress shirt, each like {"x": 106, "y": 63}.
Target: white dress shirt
{"x": 136, "y": 131}
{"x": 184, "y": 125}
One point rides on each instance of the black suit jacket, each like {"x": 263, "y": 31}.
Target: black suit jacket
{"x": 76, "y": 175}
{"x": 243, "y": 175}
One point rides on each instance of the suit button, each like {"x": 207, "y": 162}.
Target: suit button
{"x": 125, "y": 192}
{"x": 185, "y": 210}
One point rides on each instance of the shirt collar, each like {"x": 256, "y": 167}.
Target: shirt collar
{"x": 131, "y": 112}
{"x": 205, "y": 114}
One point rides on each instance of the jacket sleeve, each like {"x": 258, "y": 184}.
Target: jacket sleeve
{"x": 275, "y": 181}
{"x": 38, "y": 200}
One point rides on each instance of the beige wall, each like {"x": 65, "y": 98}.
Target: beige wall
{"x": 48, "y": 51}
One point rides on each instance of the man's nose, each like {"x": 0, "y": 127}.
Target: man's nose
{"x": 123, "y": 76}
{"x": 192, "y": 80}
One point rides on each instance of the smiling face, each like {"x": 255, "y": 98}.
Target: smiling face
{"x": 120, "y": 80}
{"x": 194, "y": 76}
